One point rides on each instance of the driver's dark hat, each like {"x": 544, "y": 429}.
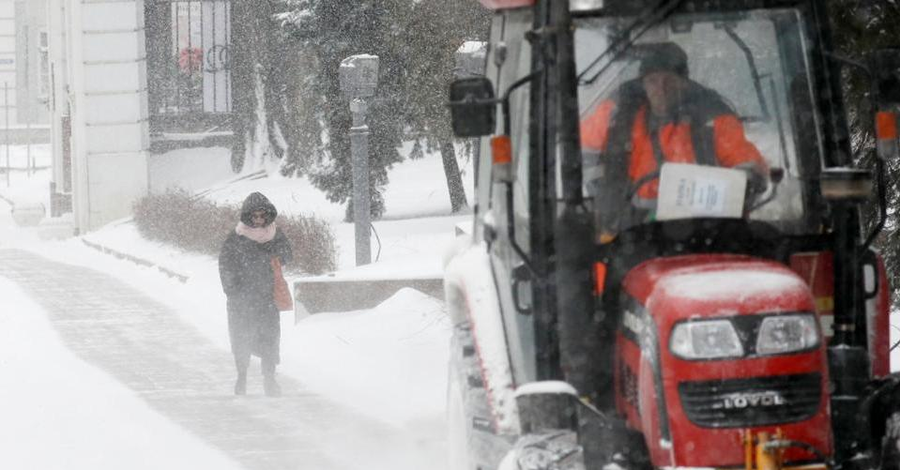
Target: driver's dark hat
{"x": 663, "y": 57}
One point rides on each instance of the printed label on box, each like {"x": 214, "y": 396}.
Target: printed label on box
{"x": 687, "y": 190}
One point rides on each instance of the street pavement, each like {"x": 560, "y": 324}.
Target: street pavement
{"x": 183, "y": 376}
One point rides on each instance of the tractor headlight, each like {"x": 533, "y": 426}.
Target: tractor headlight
{"x": 706, "y": 339}
{"x": 787, "y": 333}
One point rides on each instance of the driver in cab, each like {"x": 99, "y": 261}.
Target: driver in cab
{"x": 661, "y": 116}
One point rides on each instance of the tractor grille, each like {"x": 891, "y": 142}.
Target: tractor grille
{"x": 751, "y": 402}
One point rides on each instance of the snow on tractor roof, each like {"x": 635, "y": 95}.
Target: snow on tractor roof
{"x": 576, "y": 5}
{"x": 505, "y": 4}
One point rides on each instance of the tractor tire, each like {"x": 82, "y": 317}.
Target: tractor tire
{"x": 890, "y": 444}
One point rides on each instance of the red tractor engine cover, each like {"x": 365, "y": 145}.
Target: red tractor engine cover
{"x": 694, "y": 412}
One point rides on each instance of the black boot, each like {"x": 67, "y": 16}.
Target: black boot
{"x": 240, "y": 386}
{"x": 271, "y": 387}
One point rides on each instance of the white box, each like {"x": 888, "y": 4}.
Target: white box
{"x": 689, "y": 191}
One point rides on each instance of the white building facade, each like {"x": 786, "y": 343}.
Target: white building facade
{"x": 8, "y": 63}
{"x": 98, "y": 108}
{"x": 24, "y": 65}
{"x": 128, "y": 78}
{"x": 32, "y": 90}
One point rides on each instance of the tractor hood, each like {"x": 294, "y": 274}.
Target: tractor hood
{"x": 695, "y": 286}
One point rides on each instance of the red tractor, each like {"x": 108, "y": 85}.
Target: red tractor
{"x": 668, "y": 267}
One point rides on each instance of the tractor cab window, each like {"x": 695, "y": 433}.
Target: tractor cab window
{"x": 704, "y": 115}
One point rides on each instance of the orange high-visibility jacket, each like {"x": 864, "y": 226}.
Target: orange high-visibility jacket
{"x": 729, "y": 144}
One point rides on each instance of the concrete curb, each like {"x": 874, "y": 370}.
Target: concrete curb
{"x": 136, "y": 260}
{"x": 316, "y": 295}
{"x": 344, "y": 295}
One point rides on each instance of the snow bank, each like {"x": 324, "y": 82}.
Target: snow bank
{"x": 388, "y": 363}
{"x": 61, "y": 413}
{"x": 397, "y": 352}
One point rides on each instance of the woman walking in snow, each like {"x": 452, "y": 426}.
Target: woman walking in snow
{"x": 246, "y": 271}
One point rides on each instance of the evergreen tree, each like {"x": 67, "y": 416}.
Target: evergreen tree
{"x": 434, "y": 33}
{"x": 415, "y": 42}
{"x": 305, "y": 93}
{"x": 333, "y": 30}
{"x": 260, "y": 73}
{"x": 862, "y": 26}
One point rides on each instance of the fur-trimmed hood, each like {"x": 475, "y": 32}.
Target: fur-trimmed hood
{"x": 254, "y": 202}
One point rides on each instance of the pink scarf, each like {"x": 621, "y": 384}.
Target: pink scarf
{"x": 257, "y": 234}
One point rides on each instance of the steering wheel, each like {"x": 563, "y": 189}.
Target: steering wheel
{"x": 755, "y": 199}
{"x": 640, "y": 183}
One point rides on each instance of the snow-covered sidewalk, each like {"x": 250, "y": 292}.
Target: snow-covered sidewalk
{"x": 60, "y": 412}
{"x": 398, "y": 349}
{"x": 146, "y": 346}
{"x": 385, "y": 366}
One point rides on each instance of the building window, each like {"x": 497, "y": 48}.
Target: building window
{"x": 188, "y": 63}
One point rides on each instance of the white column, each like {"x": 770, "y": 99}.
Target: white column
{"x": 75, "y": 54}
{"x": 110, "y": 118}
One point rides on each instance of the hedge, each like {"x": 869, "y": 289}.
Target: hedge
{"x": 196, "y": 224}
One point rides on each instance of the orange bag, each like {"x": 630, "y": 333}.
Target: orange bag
{"x": 282, "y": 293}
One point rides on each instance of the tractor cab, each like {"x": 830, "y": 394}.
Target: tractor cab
{"x": 737, "y": 135}
{"x": 669, "y": 220}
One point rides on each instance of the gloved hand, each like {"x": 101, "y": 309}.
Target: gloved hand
{"x": 757, "y": 180}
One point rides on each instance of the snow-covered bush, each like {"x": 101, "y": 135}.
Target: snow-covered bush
{"x": 196, "y": 224}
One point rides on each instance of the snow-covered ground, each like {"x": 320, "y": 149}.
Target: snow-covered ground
{"x": 26, "y": 186}
{"x": 61, "y": 413}
{"x": 388, "y": 363}
{"x": 407, "y": 335}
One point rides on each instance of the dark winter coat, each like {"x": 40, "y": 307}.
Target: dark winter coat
{"x": 246, "y": 273}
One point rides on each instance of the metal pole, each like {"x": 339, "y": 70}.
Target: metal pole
{"x": 358, "y": 76}
{"x": 28, "y": 133}
{"x": 359, "y": 147}
{"x": 6, "y": 111}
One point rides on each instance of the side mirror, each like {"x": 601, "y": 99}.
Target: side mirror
{"x": 885, "y": 67}
{"x": 846, "y": 184}
{"x": 473, "y": 108}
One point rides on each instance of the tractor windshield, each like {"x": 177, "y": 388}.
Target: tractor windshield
{"x": 704, "y": 115}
